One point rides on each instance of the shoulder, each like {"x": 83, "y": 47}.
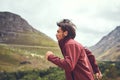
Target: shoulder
{"x": 73, "y": 42}
{"x": 70, "y": 41}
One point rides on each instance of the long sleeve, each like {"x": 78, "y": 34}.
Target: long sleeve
{"x": 92, "y": 60}
{"x": 70, "y": 58}
{"x": 75, "y": 60}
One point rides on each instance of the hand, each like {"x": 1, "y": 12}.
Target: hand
{"x": 48, "y": 53}
{"x": 98, "y": 76}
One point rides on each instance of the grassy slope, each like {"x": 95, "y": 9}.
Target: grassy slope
{"x": 12, "y": 55}
{"x": 21, "y": 42}
{"x": 26, "y": 46}
{"x": 29, "y": 38}
{"x": 113, "y": 54}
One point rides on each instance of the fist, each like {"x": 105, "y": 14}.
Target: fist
{"x": 98, "y": 76}
{"x": 48, "y": 53}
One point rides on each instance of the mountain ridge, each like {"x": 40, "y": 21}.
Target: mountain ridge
{"x": 108, "y": 46}
{"x": 16, "y": 30}
{"x": 23, "y": 47}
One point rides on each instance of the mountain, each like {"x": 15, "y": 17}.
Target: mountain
{"x": 108, "y": 48}
{"x": 16, "y": 30}
{"x": 21, "y": 46}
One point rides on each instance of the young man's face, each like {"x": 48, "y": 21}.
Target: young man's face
{"x": 60, "y": 34}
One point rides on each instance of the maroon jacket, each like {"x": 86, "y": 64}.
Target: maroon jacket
{"x": 75, "y": 63}
{"x": 92, "y": 60}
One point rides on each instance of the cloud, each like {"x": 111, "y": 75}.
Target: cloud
{"x": 94, "y": 18}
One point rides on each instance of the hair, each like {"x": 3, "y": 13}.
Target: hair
{"x": 67, "y": 25}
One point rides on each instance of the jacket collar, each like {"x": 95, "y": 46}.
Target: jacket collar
{"x": 63, "y": 41}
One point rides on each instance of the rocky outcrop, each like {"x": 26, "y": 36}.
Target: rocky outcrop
{"x": 107, "y": 47}
{"x": 10, "y": 22}
{"x": 16, "y": 30}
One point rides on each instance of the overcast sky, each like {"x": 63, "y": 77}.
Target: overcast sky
{"x": 93, "y": 18}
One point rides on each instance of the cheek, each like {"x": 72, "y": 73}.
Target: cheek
{"x": 59, "y": 36}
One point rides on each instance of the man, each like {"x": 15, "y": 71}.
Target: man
{"x": 78, "y": 62}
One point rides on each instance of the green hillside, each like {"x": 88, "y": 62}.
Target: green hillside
{"x": 29, "y": 38}
{"x": 24, "y": 57}
{"x": 112, "y": 54}
{"x": 16, "y": 30}
{"x": 21, "y": 46}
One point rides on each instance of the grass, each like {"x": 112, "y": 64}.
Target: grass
{"x": 34, "y": 39}
{"x": 11, "y": 55}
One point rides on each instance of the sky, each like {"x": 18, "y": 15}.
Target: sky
{"x": 93, "y": 18}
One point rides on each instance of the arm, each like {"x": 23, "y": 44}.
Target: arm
{"x": 92, "y": 60}
{"x": 70, "y": 59}
{"x": 93, "y": 63}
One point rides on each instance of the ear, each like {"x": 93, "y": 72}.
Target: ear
{"x": 65, "y": 33}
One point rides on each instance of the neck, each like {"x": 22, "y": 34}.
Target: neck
{"x": 63, "y": 41}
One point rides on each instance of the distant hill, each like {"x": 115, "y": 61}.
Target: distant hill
{"x": 16, "y": 30}
{"x": 108, "y": 48}
{"x": 21, "y": 46}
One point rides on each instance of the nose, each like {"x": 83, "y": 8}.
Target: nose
{"x": 56, "y": 35}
